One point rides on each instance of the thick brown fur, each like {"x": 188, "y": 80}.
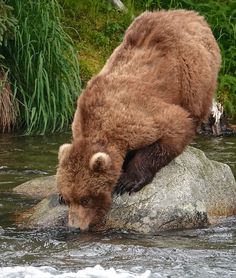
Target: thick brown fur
{"x": 149, "y": 98}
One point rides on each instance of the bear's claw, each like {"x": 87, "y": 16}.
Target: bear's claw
{"x": 138, "y": 186}
{"x": 125, "y": 185}
{"x": 120, "y": 187}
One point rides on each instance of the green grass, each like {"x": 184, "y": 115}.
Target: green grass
{"x": 101, "y": 27}
{"x": 38, "y": 56}
{"x": 97, "y": 29}
{"x": 44, "y": 68}
{"x": 7, "y": 24}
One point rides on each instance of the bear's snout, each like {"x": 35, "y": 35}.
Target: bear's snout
{"x": 79, "y": 217}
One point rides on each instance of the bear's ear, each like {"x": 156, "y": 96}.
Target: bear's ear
{"x": 63, "y": 150}
{"x": 100, "y": 162}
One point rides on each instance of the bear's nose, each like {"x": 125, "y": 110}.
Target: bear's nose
{"x": 78, "y": 217}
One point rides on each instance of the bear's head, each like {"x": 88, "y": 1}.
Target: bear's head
{"x": 86, "y": 175}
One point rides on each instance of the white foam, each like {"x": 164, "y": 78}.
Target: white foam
{"x": 49, "y": 272}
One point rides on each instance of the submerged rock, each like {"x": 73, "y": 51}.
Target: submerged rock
{"x": 191, "y": 192}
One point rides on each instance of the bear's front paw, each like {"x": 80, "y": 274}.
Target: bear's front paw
{"x": 126, "y": 184}
{"x": 122, "y": 185}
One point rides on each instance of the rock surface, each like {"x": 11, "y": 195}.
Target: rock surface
{"x": 192, "y": 191}
{"x": 37, "y": 188}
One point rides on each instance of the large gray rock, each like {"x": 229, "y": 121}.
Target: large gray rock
{"x": 192, "y": 191}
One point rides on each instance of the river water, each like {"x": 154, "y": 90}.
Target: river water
{"x": 207, "y": 252}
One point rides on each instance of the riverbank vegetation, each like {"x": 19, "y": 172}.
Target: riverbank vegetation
{"x": 98, "y": 27}
{"x": 42, "y": 67}
{"x": 42, "y": 60}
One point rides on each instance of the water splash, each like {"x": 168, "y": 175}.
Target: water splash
{"x": 49, "y": 272}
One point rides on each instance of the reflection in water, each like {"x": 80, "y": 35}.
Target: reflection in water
{"x": 198, "y": 253}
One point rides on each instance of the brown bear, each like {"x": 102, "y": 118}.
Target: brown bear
{"x": 139, "y": 112}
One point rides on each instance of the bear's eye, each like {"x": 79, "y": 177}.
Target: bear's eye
{"x": 84, "y": 201}
{"x": 62, "y": 200}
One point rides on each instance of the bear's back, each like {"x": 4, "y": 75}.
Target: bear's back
{"x": 172, "y": 55}
{"x": 168, "y": 29}
{"x": 165, "y": 34}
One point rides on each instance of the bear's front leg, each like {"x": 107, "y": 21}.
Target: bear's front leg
{"x": 176, "y": 129}
{"x": 141, "y": 166}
